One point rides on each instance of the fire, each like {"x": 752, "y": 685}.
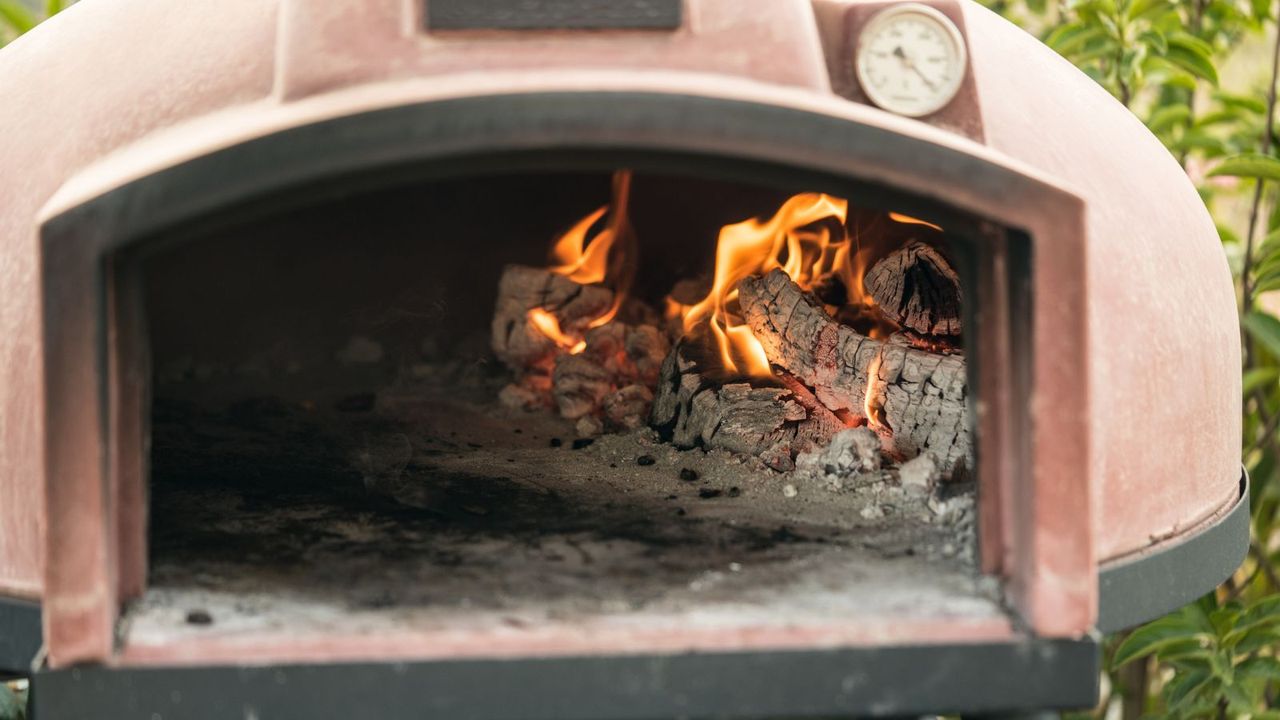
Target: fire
{"x": 908, "y": 220}
{"x": 547, "y": 324}
{"x": 874, "y": 382}
{"x": 603, "y": 258}
{"x": 581, "y": 260}
{"x": 807, "y": 239}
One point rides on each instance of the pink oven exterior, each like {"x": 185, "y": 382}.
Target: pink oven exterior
{"x": 1129, "y": 275}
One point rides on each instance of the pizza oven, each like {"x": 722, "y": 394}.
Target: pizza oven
{"x": 593, "y": 359}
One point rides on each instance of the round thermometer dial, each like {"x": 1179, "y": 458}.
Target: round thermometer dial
{"x": 910, "y": 60}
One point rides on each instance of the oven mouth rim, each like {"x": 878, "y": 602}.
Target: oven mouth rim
{"x": 78, "y": 243}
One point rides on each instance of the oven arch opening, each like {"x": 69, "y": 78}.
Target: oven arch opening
{"x": 77, "y": 248}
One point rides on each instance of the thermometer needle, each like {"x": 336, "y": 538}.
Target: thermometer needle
{"x": 901, "y": 54}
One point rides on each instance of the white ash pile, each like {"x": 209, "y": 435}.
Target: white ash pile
{"x": 853, "y": 458}
{"x": 856, "y": 462}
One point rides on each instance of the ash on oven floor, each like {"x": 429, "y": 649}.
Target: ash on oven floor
{"x": 446, "y": 511}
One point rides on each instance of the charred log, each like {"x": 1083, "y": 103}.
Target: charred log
{"x": 916, "y": 288}
{"x": 917, "y": 398}
{"x": 694, "y": 407}
{"x": 519, "y": 344}
{"x": 586, "y": 380}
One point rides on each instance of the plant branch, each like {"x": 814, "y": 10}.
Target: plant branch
{"x": 1237, "y": 589}
{"x": 1260, "y": 556}
{"x": 1255, "y": 210}
{"x": 1270, "y": 423}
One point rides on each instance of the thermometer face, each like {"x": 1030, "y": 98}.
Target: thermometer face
{"x": 910, "y": 59}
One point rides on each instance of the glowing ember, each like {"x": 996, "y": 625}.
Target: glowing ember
{"x": 908, "y": 220}
{"x": 549, "y": 326}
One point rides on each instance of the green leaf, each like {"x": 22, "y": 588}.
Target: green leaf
{"x": 16, "y": 16}
{"x": 1259, "y": 668}
{"x": 53, "y": 7}
{"x": 1249, "y": 165}
{"x": 1167, "y": 117}
{"x": 1199, "y": 140}
{"x": 1270, "y": 265}
{"x": 1184, "y": 687}
{"x": 1265, "y": 329}
{"x": 1266, "y": 282}
{"x": 1219, "y": 117}
{"x": 1178, "y": 78}
{"x": 1224, "y": 619}
{"x": 1189, "y": 58}
{"x": 1138, "y": 8}
{"x": 1072, "y": 37}
{"x": 1103, "y": 49}
{"x": 1255, "y": 378}
{"x": 1191, "y": 42}
{"x": 1151, "y": 638}
{"x": 1270, "y": 245}
{"x": 1239, "y": 700}
{"x": 1262, "y": 614}
{"x": 1257, "y": 640}
{"x": 1155, "y": 40}
{"x": 1241, "y": 102}
{"x": 1193, "y": 652}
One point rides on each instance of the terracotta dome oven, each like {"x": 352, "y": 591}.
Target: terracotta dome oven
{"x": 611, "y": 359}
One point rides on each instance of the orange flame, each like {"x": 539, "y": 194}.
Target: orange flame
{"x": 591, "y": 261}
{"x": 547, "y": 324}
{"x": 790, "y": 240}
{"x": 580, "y": 260}
{"x": 908, "y": 220}
{"x": 869, "y": 408}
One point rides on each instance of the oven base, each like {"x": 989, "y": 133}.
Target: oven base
{"x": 1137, "y": 589}
{"x": 20, "y": 635}
{"x": 970, "y": 679}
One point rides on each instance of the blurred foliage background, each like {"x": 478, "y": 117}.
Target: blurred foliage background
{"x": 1202, "y": 75}
{"x": 19, "y": 16}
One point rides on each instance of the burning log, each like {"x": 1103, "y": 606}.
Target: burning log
{"x": 693, "y": 407}
{"x": 916, "y": 288}
{"x": 538, "y": 313}
{"x": 914, "y": 398}
{"x": 543, "y": 330}
{"x": 558, "y": 328}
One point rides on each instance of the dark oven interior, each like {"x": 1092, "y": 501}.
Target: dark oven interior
{"x": 344, "y": 437}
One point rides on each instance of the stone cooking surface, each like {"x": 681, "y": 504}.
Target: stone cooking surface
{"x": 430, "y": 505}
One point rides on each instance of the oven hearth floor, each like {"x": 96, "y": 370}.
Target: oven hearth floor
{"x": 445, "y": 525}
